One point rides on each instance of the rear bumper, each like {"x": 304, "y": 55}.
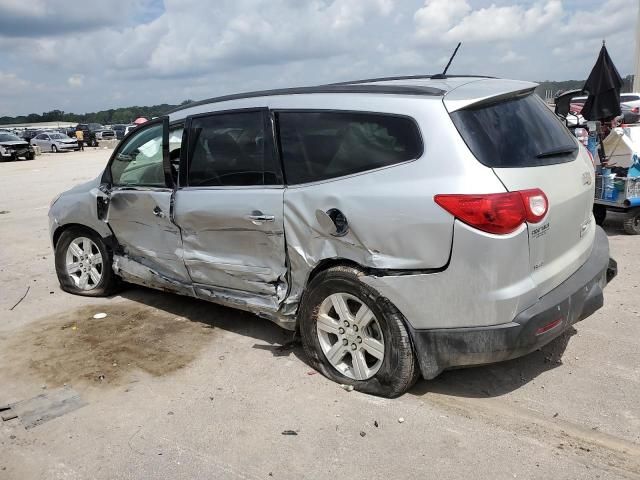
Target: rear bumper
{"x": 575, "y": 299}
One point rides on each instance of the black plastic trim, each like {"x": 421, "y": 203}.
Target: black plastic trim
{"x": 337, "y": 88}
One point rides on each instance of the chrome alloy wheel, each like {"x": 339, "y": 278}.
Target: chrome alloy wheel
{"x": 350, "y": 336}
{"x": 84, "y": 263}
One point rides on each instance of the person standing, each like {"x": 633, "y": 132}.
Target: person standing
{"x": 80, "y": 138}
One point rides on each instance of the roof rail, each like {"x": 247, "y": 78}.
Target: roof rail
{"x": 408, "y": 77}
{"x": 333, "y": 88}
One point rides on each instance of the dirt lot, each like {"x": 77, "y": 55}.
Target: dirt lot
{"x": 178, "y": 388}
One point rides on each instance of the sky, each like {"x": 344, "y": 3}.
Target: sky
{"x": 109, "y": 54}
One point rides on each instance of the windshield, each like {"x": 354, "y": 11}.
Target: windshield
{"x": 520, "y": 132}
{"x": 9, "y": 137}
{"x": 58, "y": 136}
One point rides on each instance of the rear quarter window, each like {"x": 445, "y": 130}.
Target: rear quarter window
{"x": 519, "y": 132}
{"x": 323, "y": 145}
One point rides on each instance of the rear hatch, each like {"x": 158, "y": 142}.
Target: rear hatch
{"x": 527, "y": 147}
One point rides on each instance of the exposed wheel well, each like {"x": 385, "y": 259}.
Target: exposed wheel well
{"x": 331, "y": 262}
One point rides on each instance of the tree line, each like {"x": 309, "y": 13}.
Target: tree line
{"x": 111, "y": 116}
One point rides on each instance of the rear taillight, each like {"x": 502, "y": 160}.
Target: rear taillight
{"x": 498, "y": 213}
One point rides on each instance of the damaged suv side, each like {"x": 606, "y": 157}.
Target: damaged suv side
{"x": 400, "y": 225}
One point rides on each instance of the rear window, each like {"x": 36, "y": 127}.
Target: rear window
{"x": 521, "y": 132}
{"x": 322, "y": 145}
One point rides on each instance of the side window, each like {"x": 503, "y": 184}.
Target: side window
{"x": 139, "y": 160}
{"x": 322, "y": 145}
{"x": 231, "y": 149}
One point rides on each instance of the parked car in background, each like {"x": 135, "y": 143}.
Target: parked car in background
{"x": 129, "y": 128}
{"x": 329, "y": 211}
{"x": 105, "y": 134}
{"x": 13, "y": 147}
{"x": 630, "y": 113}
{"x": 631, "y": 99}
{"x": 54, "y": 142}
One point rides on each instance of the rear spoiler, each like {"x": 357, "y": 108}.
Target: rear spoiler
{"x": 485, "y": 92}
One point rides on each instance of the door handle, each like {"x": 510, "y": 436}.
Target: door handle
{"x": 157, "y": 211}
{"x": 257, "y": 218}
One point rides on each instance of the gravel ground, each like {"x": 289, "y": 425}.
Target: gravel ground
{"x": 178, "y": 388}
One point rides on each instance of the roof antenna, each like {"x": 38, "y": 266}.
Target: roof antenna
{"x": 444, "y": 73}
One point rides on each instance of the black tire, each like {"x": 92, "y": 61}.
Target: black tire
{"x": 54, "y": 149}
{"x": 30, "y": 156}
{"x": 94, "y": 143}
{"x": 599, "y": 213}
{"x": 399, "y": 369}
{"x": 109, "y": 282}
{"x": 632, "y": 222}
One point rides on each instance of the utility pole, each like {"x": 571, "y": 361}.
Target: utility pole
{"x": 636, "y": 76}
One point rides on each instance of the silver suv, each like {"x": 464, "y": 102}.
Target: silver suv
{"x": 402, "y": 226}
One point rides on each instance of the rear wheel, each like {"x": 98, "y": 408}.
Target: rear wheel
{"x": 599, "y": 213}
{"x": 83, "y": 264}
{"x": 355, "y": 336}
{"x": 54, "y": 149}
{"x": 632, "y": 222}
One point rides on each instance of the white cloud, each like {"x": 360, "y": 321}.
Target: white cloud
{"x": 449, "y": 21}
{"x": 76, "y": 80}
{"x": 438, "y": 16}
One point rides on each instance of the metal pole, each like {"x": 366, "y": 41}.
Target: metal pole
{"x": 636, "y": 76}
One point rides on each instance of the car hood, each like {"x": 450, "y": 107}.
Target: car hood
{"x": 14, "y": 142}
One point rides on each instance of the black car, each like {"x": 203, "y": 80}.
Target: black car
{"x": 88, "y": 133}
{"x": 28, "y": 134}
{"x": 13, "y": 147}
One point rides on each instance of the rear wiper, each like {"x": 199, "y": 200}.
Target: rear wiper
{"x": 554, "y": 152}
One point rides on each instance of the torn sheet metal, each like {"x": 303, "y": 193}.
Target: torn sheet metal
{"x": 139, "y": 272}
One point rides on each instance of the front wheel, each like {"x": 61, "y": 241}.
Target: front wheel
{"x": 632, "y": 222}
{"x": 83, "y": 264}
{"x": 54, "y": 149}
{"x": 355, "y": 336}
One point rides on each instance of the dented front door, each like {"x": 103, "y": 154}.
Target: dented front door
{"x": 140, "y": 192}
